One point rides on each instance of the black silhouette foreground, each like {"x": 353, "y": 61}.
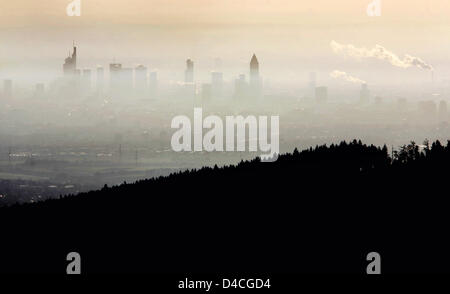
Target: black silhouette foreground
{"x": 319, "y": 210}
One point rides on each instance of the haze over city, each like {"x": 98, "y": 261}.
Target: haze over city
{"x": 103, "y": 115}
{"x": 224, "y": 144}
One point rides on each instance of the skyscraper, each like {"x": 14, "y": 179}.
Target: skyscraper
{"x": 254, "y": 69}
{"x": 70, "y": 63}
{"x": 189, "y": 72}
{"x": 255, "y": 81}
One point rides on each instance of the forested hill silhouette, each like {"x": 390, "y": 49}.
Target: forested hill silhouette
{"x": 319, "y": 210}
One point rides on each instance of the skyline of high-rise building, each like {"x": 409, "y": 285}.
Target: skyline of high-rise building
{"x": 255, "y": 79}
{"x": 254, "y": 69}
{"x": 138, "y": 80}
{"x": 70, "y": 63}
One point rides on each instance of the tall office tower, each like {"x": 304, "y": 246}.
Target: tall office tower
{"x": 321, "y": 94}
{"x": 7, "y": 88}
{"x": 153, "y": 84}
{"x": 254, "y": 68}
{"x": 140, "y": 78}
{"x": 70, "y": 63}
{"x": 100, "y": 82}
{"x": 364, "y": 94}
{"x": 216, "y": 84}
{"x": 255, "y": 81}
{"x": 189, "y": 72}
{"x": 87, "y": 79}
{"x": 311, "y": 90}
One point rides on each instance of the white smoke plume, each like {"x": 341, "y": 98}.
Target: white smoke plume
{"x": 343, "y": 75}
{"x": 381, "y": 53}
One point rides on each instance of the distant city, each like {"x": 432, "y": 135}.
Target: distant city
{"x": 141, "y": 82}
{"x": 90, "y": 127}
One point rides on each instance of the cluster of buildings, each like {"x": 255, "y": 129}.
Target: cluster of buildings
{"x": 142, "y": 82}
{"x": 122, "y": 80}
{"x": 139, "y": 81}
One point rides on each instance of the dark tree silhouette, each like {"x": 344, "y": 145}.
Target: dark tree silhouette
{"x": 319, "y": 210}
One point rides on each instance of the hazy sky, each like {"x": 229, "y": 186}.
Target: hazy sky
{"x": 26, "y": 12}
{"x": 287, "y": 34}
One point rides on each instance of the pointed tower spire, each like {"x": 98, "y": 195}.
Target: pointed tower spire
{"x": 254, "y": 59}
{"x": 254, "y": 66}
